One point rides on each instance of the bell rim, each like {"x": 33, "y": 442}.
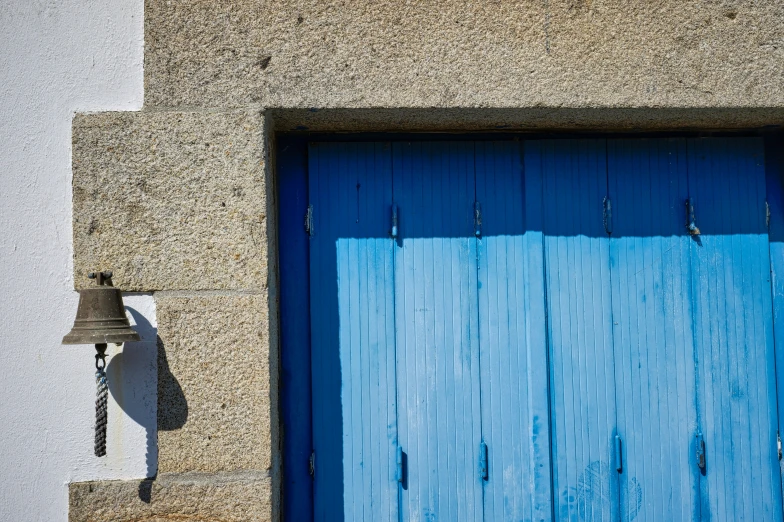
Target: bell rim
{"x": 110, "y": 324}
{"x": 81, "y": 336}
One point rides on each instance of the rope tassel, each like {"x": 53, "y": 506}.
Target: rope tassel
{"x": 101, "y": 412}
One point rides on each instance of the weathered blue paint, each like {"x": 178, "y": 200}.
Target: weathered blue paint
{"x": 436, "y": 323}
{"x": 652, "y": 329}
{"x": 295, "y": 391}
{"x": 560, "y": 358}
{"x": 512, "y": 340}
{"x": 733, "y": 327}
{"x": 353, "y": 332}
{"x": 573, "y": 174}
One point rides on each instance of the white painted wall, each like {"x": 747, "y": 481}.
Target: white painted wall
{"x": 58, "y": 57}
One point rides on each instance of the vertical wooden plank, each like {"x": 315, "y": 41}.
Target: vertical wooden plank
{"x": 295, "y": 390}
{"x": 734, "y": 329}
{"x": 515, "y": 416}
{"x": 573, "y": 173}
{"x": 774, "y": 176}
{"x": 652, "y": 330}
{"x": 436, "y": 323}
{"x": 540, "y": 390}
{"x": 353, "y": 345}
{"x": 327, "y": 436}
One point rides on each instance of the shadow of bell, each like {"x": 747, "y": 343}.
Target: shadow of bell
{"x": 131, "y": 374}
{"x": 134, "y": 386}
{"x": 144, "y": 388}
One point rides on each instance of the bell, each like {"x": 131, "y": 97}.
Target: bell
{"x": 100, "y": 318}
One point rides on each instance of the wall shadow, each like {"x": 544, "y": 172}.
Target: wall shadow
{"x": 132, "y": 384}
{"x": 295, "y": 391}
{"x": 573, "y": 177}
{"x": 153, "y": 399}
{"x": 172, "y": 405}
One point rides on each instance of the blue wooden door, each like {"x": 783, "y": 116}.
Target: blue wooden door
{"x": 529, "y": 331}
{"x": 512, "y": 339}
{"x": 437, "y": 335}
{"x": 353, "y": 332}
{"x": 573, "y": 176}
{"x": 652, "y": 329}
{"x": 733, "y": 327}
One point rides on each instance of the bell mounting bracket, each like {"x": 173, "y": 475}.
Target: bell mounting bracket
{"x": 103, "y": 278}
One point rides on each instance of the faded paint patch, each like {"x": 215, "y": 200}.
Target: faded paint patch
{"x": 594, "y": 494}
{"x": 631, "y": 499}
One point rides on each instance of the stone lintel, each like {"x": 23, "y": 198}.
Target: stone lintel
{"x": 450, "y": 53}
{"x": 242, "y": 496}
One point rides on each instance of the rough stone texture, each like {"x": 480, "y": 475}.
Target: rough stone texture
{"x": 272, "y": 317}
{"x": 171, "y": 200}
{"x": 188, "y": 497}
{"x": 532, "y": 53}
{"x": 215, "y": 410}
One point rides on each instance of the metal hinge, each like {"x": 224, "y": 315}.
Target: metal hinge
{"x": 477, "y": 219}
{"x": 700, "y": 448}
{"x": 767, "y": 215}
{"x": 309, "y": 220}
{"x": 399, "y": 464}
{"x": 393, "y": 227}
{"x": 483, "y": 471}
{"x": 312, "y": 465}
{"x": 691, "y": 225}
{"x": 607, "y": 215}
{"x": 618, "y": 454}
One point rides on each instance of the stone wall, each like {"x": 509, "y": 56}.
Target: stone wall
{"x": 192, "y": 497}
{"x": 451, "y": 53}
{"x": 177, "y": 202}
{"x": 179, "y": 198}
{"x": 171, "y": 200}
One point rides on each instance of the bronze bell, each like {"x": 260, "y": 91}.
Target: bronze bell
{"x": 100, "y": 318}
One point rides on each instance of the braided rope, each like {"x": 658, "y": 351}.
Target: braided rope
{"x": 101, "y": 412}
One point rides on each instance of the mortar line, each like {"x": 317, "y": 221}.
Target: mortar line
{"x": 202, "y": 293}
